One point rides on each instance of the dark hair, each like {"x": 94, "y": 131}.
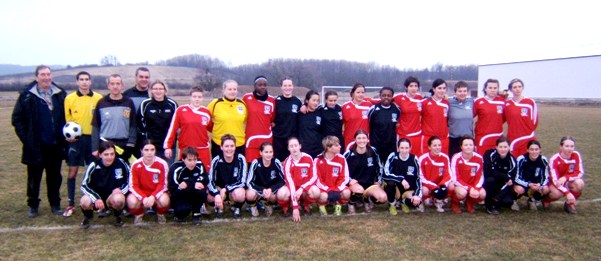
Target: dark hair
{"x": 501, "y": 140}
{"x": 387, "y": 88}
{"x": 284, "y": 79}
{"x": 432, "y": 139}
{"x": 143, "y": 69}
{"x": 398, "y": 143}
{"x": 189, "y": 151}
{"x": 514, "y": 81}
{"x": 39, "y": 68}
{"x": 147, "y": 142}
{"x": 534, "y": 142}
{"x": 464, "y": 138}
{"x": 329, "y": 93}
{"x": 356, "y": 86}
{"x": 265, "y": 144}
{"x": 566, "y": 138}
{"x": 487, "y": 82}
{"x": 260, "y": 77}
{"x": 292, "y": 138}
{"x": 409, "y": 80}
{"x": 309, "y": 94}
{"x": 461, "y": 84}
{"x": 353, "y": 148}
{"x": 104, "y": 145}
{"x": 114, "y": 75}
{"x": 196, "y": 89}
{"x": 83, "y": 73}
{"x": 435, "y": 83}
{"x": 228, "y": 137}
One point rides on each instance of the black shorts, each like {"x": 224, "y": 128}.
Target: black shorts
{"x": 80, "y": 152}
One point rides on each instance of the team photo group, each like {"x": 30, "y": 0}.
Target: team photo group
{"x": 146, "y": 155}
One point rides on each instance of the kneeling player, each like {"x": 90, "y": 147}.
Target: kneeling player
{"x": 148, "y": 185}
{"x": 532, "y": 176}
{"x": 566, "y": 175}
{"x": 468, "y": 168}
{"x": 104, "y": 185}
{"x": 332, "y": 176}
{"x": 401, "y": 172}
{"x": 435, "y": 174}
{"x": 227, "y": 177}
{"x": 187, "y": 186}
{"x": 300, "y": 179}
{"x": 266, "y": 181}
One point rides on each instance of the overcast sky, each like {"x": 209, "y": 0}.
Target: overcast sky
{"x": 398, "y": 33}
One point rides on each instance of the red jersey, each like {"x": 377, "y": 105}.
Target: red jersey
{"x": 434, "y": 170}
{"x": 299, "y": 174}
{"x": 489, "y": 126}
{"x": 258, "y": 123}
{"x": 146, "y": 181}
{"x": 570, "y": 168}
{"x": 522, "y": 119}
{"x": 434, "y": 118}
{"x": 194, "y": 126}
{"x": 354, "y": 118}
{"x": 332, "y": 175}
{"x": 411, "y": 113}
{"x": 468, "y": 173}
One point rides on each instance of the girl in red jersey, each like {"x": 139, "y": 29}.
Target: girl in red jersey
{"x": 435, "y": 111}
{"x": 354, "y": 114}
{"x": 193, "y": 121}
{"x": 300, "y": 179}
{"x": 521, "y": 114}
{"x": 410, "y": 125}
{"x": 490, "y": 118}
{"x": 435, "y": 174}
{"x": 148, "y": 185}
{"x": 468, "y": 168}
{"x": 566, "y": 175}
{"x": 332, "y": 176}
{"x": 261, "y": 113}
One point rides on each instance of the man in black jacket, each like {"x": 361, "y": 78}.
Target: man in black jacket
{"x": 38, "y": 118}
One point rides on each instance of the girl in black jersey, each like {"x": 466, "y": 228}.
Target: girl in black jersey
{"x": 310, "y": 126}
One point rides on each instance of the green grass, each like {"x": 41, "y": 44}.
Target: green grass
{"x": 552, "y": 234}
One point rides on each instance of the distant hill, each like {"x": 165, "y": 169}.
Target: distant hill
{"x": 8, "y": 69}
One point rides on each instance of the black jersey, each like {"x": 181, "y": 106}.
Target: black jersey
{"x": 99, "y": 180}
{"x": 286, "y": 113}
{"x": 136, "y": 96}
{"x": 365, "y": 168}
{"x": 261, "y": 177}
{"x": 382, "y": 125}
{"x": 226, "y": 175}
{"x": 502, "y": 169}
{"x": 309, "y": 132}
{"x": 331, "y": 120}
{"x": 178, "y": 173}
{"x": 154, "y": 119}
{"x": 397, "y": 169}
{"x": 532, "y": 171}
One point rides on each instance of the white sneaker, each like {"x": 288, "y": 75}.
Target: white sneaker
{"x": 532, "y": 204}
{"x": 428, "y": 202}
{"x": 369, "y": 207}
{"x": 351, "y": 209}
{"x": 515, "y": 206}
{"x": 420, "y": 208}
{"x": 439, "y": 204}
{"x": 139, "y": 219}
{"x": 268, "y": 210}
{"x": 254, "y": 211}
{"x": 161, "y": 219}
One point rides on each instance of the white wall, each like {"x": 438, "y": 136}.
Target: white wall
{"x": 578, "y": 77}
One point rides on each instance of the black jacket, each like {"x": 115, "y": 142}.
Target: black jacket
{"x": 25, "y": 118}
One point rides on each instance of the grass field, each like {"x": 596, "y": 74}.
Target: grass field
{"x": 552, "y": 235}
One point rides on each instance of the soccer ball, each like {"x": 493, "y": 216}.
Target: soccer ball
{"x": 72, "y": 130}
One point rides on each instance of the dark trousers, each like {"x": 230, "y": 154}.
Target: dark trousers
{"x": 280, "y": 148}
{"x": 51, "y": 162}
{"x": 497, "y": 194}
{"x": 454, "y": 146}
{"x": 185, "y": 201}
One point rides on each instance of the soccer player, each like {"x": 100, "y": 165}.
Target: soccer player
{"x": 490, "y": 117}
{"x": 300, "y": 179}
{"x": 331, "y": 117}
{"x": 402, "y": 176}
{"x": 148, "y": 185}
{"x": 435, "y": 111}
{"x": 365, "y": 174}
{"x": 436, "y": 175}
{"x": 461, "y": 121}
{"x": 79, "y": 108}
{"x": 104, "y": 185}
{"x": 310, "y": 125}
{"x": 137, "y": 94}
{"x": 38, "y": 119}
{"x": 229, "y": 117}
{"x": 499, "y": 172}
{"x": 332, "y": 176}
{"x": 354, "y": 114}
{"x": 521, "y": 114}
{"x": 285, "y": 124}
{"x": 193, "y": 121}
{"x": 228, "y": 177}
{"x": 266, "y": 181}
{"x": 566, "y": 175}
{"x": 114, "y": 120}
{"x": 410, "y": 104}
{"x": 155, "y": 115}
{"x": 532, "y": 176}
{"x": 468, "y": 168}
{"x": 383, "y": 120}
{"x": 261, "y": 113}
{"x": 187, "y": 186}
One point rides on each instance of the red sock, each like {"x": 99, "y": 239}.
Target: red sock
{"x": 283, "y": 203}
{"x": 342, "y": 201}
{"x": 136, "y": 211}
{"x": 162, "y": 211}
{"x": 576, "y": 194}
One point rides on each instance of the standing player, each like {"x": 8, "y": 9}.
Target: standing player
{"x": 300, "y": 179}
{"x": 435, "y": 111}
{"x": 104, "y": 185}
{"x": 228, "y": 177}
{"x": 79, "y": 108}
{"x": 137, "y": 94}
{"x": 266, "y": 181}
{"x": 410, "y": 104}
{"x": 187, "y": 185}
{"x": 402, "y": 176}
{"x": 436, "y": 174}
{"x": 468, "y": 168}
{"x": 332, "y": 176}
{"x": 490, "y": 117}
{"x": 148, "y": 185}
{"x": 229, "y": 117}
{"x": 522, "y": 118}
{"x": 499, "y": 172}
{"x": 285, "y": 123}
{"x": 193, "y": 122}
{"x": 354, "y": 114}
{"x": 331, "y": 117}
{"x": 532, "y": 176}
{"x": 261, "y": 113}
{"x": 383, "y": 121}
{"x": 310, "y": 125}
{"x": 461, "y": 121}
{"x": 566, "y": 175}
{"x": 365, "y": 174}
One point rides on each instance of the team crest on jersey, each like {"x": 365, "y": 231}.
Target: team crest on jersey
{"x": 571, "y": 168}
{"x": 394, "y": 117}
{"x": 153, "y": 111}
{"x": 419, "y": 106}
{"x": 266, "y": 109}
{"x": 524, "y": 112}
{"x": 126, "y": 113}
{"x": 364, "y": 114}
{"x": 235, "y": 172}
{"x": 118, "y": 174}
{"x": 294, "y": 108}
{"x": 205, "y": 120}
{"x": 473, "y": 171}
{"x": 335, "y": 172}
{"x": 499, "y": 109}
{"x": 304, "y": 172}
{"x": 272, "y": 175}
{"x": 410, "y": 170}
{"x": 537, "y": 172}
{"x": 340, "y": 115}
{"x": 440, "y": 171}
{"x": 155, "y": 178}
{"x": 370, "y": 161}
{"x": 168, "y": 110}
{"x": 240, "y": 109}
{"x": 318, "y": 120}
{"x": 468, "y": 107}
{"x": 446, "y": 111}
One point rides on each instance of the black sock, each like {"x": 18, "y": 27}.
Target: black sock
{"x": 88, "y": 213}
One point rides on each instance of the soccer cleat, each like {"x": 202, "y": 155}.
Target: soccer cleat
{"x": 405, "y": 208}
{"x": 139, "y": 219}
{"x": 439, "y": 204}
{"x": 428, "y": 202}
{"x": 126, "y": 213}
{"x": 268, "y": 210}
{"x": 204, "y": 210}
{"x": 351, "y": 209}
{"x": 237, "y": 213}
{"x": 196, "y": 218}
{"x": 69, "y": 211}
{"x": 569, "y": 208}
{"x": 307, "y": 210}
{"x": 455, "y": 207}
{"x": 492, "y": 211}
{"x": 178, "y": 220}
{"x": 219, "y": 212}
{"x": 323, "y": 211}
{"x": 338, "y": 210}
{"x": 150, "y": 212}
{"x": 421, "y": 208}
{"x": 85, "y": 224}
{"x": 532, "y": 204}
{"x": 33, "y": 212}
{"x": 161, "y": 219}
{"x": 56, "y": 210}
{"x": 392, "y": 210}
{"x": 104, "y": 212}
{"x": 515, "y": 206}
{"x": 369, "y": 207}
{"x": 254, "y": 211}
{"x": 118, "y": 221}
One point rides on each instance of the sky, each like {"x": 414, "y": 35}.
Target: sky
{"x": 404, "y": 34}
